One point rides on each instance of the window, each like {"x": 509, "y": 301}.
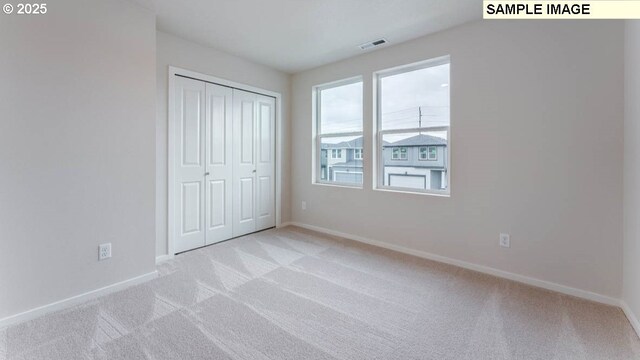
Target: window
{"x": 429, "y": 153}
{"x": 338, "y": 132}
{"x": 399, "y": 153}
{"x": 433, "y": 153}
{"x": 413, "y": 124}
{"x": 423, "y": 153}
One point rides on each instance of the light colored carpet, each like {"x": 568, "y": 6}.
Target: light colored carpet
{"x": 294, "y": 294}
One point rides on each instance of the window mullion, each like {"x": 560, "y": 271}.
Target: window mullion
{"x": 346, "y": 134}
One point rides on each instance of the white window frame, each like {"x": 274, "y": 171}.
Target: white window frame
{"x": 429, "y": 158}
{"x": 317, "y": 90}
{"x": 427, "y": 153}
{"x": 356, "y": 152}
{"x": 400, "y": 158}
{"x": 420, "y": 153}
{"x": 379, "y": 133}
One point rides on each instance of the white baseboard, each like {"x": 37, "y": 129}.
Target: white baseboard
{"x": 75, "y": 300}
{"x": 631, "y": 316}
{"x": 162, "y": 258}
{"x": 479, "y": 268}
{"x": 285, "y": 224}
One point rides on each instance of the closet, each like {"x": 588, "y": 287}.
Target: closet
{"x": 224, "y": 157}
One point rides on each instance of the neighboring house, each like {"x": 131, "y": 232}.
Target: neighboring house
{"x": 418, "y": 162}
{"x": 342, "y": 162}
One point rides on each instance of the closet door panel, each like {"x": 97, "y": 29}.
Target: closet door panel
{"x": 246, "y": 200}
{"x": 219, "y": 160}
{"x": 244, "y": 167}
{"x": 217, "y": 113}
{"x": 246, "y": 135}
{"x": 191, "y": 196}
{"x": 218, "y": 199}
{"x": 265, "y": 165}
{"x": 190, "y": 165}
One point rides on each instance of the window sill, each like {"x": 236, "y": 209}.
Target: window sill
{"x": 338, "y": 185}
{"x": 427, "y": 193}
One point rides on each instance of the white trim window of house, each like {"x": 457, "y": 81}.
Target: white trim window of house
{"x": 413, "y": 128}
{"x": 433, "y": 153}
{"x": 429, "y": 153}
{"x": 399, "y": 153}
{"x": 338, "y": 142}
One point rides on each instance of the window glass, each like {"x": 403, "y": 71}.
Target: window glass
{"x": 341, "y": 109}
{"x": 413, "y": 126}
{"x": 338, "y": 168}
{"x": 415, "y": 99}
{"x": 433, "y": 153}
{"x": 423, "y": 153}
{"x": 339, "y": 133}
{"x": 403, "y": 168}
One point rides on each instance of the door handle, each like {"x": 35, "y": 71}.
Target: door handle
{"x": 254, "y": 171}
{"x": 206, "y": 174}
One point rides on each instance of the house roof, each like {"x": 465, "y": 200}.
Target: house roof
{"x": 355, "y": 143}
{"x": 419, "y": 140}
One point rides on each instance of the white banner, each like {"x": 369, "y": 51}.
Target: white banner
{"x": 597, "y": 9}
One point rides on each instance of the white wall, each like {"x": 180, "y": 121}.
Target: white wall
{"x": 174, "y": 51}
{"x": 537, "y": 130}
{"x": 631, "y": 275}
{"x": 76, "y": 150}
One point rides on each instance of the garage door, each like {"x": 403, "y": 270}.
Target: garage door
{"x": 408, "y": 181}
{"x": 348, "y": 177}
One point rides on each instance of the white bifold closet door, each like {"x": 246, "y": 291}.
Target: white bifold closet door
{"x": 224, "y": 163}
{"x": 189, "y": 164}
{"x": 253, "y": 160}
{"x": 219, "y": 163}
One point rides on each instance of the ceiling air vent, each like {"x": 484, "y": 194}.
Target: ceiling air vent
{"x": 372, "y": 44}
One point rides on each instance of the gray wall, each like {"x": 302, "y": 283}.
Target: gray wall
{"x": 631, "y": 274}
{"x": 76, "y": 150}
{"x": 545, "y": 99}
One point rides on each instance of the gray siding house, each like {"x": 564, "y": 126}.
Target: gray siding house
{"x": 418, "y": 162}
{"x": 342, "y": 162}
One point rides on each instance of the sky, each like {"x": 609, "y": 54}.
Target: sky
{"x": 341, "y": 109}
{"x": 403, "y": 98}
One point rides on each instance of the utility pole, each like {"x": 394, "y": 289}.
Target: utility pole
{"x": 420, "y": 119}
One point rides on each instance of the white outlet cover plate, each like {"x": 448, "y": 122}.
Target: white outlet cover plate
{"x": 104, "y": 251}
{"x": 505, "y": 240}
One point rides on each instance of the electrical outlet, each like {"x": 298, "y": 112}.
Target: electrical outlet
{"x": 505, "y": 240}
{"x": 304, "y": 205}
{"x": 104, "y": 251}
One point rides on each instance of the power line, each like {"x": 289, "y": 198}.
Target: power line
{"x": 401, "y": 120}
